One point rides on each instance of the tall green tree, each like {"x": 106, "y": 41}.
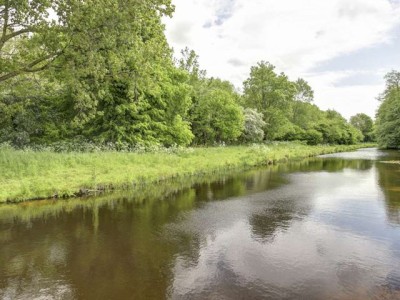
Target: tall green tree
{"x": 304, "y": 92}
{"x": 112, "y": 62}
{"x": 272, "y": 95}
{"x": 217, "y": 117}
{"x": 388, "y": 116}
{"x": 189, "y": 62}
{"x": 215, "y": 113}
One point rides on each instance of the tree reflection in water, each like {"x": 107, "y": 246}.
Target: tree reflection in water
{"x": 389, "y": 180}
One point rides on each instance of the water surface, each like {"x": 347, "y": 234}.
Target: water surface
{"x": 323, "y": 228}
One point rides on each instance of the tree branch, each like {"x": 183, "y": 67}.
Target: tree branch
{"x": 5, "y": 18}
{"x": 16, "y": 33}
{"x": 31, "y": 67}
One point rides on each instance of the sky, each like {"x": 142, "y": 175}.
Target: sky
{"x": 343, "y": 48}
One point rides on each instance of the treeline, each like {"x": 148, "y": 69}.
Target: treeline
{"x": 102, "y": 71}
{"x": 388, "y": 115}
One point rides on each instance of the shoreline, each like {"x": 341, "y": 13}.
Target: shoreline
{"x": 29, "y": 175}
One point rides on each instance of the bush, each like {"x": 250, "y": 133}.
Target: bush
{"x": 313, "y": 137}
{"x": 253, "y": 126}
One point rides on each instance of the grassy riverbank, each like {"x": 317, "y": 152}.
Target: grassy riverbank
{"x": 32, "y": 175}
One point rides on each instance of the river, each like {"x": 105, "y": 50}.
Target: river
{"x": 320, "y": 228}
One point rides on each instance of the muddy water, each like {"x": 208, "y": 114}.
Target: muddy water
{"x": 324, "y": 228}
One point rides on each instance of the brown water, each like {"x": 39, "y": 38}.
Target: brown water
{"x": 324, "y": 228}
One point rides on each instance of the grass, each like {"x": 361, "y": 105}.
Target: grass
{"x": 26, "y": 175}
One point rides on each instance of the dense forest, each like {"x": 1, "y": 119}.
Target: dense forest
{"x": 103, "y": 72}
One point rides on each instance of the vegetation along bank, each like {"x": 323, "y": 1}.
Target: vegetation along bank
{"x": 104, "y": 73}
{"x": 28, "y": 174}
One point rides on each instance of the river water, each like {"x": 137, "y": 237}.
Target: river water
{"x": 321, "y": 228}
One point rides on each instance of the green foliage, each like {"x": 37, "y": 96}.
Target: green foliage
{"x": 215, "y": 114}
{"x": 313, "y": 137}
{"x": 28, "y": 38}
{"x": 272, "y": 95}
{"x": 304, "y": 91}
{"x": 336, "y": 130}
{"x": 306, "y": 115}
{"x": 180, "y": 132}
{"x": 190, "y": 63}
{"x": 31, "y": 111}
{"x": 149, "y": 116}
{"x": 365, "y": 124}
{"x": 388, "y": 116}
{"x": 288, "y": 112}
{"x": 114, "y": 81}
{"x": 81, "y": 35}
{"x": 217, "y": 118}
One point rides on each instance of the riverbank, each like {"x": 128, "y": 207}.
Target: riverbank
{"x": 28, "y": 175}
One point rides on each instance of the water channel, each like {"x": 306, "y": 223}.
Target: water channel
{"x": 320, "y": 228}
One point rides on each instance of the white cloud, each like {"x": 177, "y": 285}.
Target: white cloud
{"x": 349, "y": 100}
{"x": 295, "y": 35}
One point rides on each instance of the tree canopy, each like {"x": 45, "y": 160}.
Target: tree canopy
{"x": 365, "y": 124}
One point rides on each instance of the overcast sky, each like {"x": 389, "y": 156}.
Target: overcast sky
{"x": 343, "y": 48}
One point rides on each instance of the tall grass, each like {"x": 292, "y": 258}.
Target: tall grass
{"x": 28, "y": 174}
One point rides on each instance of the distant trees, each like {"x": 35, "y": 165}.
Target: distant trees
{"x": 388, "y": 116}
{"x": 287, "y": 110}
{"x": 365, "y": 124}
{"x": 336, "y": 130}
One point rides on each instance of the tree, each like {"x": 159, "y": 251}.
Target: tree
{"x": 253, "y": 126}
{"x": 388, "y": 122}
{"x": 336, "y": 130}
{"x": 146, "y": 98}
{"x": 217, "y": 118}
{"x": 115, "y": 71}
{"x": 215, "y": 113}
{"x": 190, "y": 63}
{"x": 313, "y": 137}
{"x": 36, "y": 33}
{"x": 388, "y": 116}
{"x": 272, "y": 95}
{"x": 304, "y": 92}
{"x": 392, "y": 82}
{"x": 306, "y": 115}
{"x": 365, "y": 124}
{"x": 32, "y": 112}
{"x": 28, "y": 36}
